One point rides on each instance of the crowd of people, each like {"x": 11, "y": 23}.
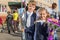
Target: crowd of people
{"x": 35, "y": 22}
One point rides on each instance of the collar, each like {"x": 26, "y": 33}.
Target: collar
{"x": 29, "y": 13}
{"x": 41, "y": 21}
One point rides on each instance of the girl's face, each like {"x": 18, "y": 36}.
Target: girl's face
{"x": 43, "y": 14}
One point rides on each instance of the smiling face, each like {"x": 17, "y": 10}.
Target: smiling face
{"x": 31, "y": 6}
{"x": 43, "y": 14}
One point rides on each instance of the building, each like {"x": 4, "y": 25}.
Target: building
{"x": 8, "y": 5}
{"x": 45, "y": 3}
{"x": 4, "y": 7}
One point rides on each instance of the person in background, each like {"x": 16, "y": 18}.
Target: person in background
{"x": 54, "y": 15}
{"x": 29, "y": 18}
{"x": 1, "y": 24}
{"x": 9, "y": 20}
{"x": 41, "y": 25}
{"x": 53, "y": 12}
{"x": 15, "y": 20}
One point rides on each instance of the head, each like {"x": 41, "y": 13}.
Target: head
{"x": 9, "y": 12}
{"x": 31, "y": 6}
{"x": 54, "y": 5}
{"x": 43, "y": 14}
{"x": 14, "y": 11}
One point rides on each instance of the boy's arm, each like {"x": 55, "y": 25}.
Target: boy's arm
{"x": 57, "y": 16}
{"x": 6, "y": 19}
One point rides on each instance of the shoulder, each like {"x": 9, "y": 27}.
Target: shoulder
{"x": 34, "y": 15}
{"x": 37, "y": 22}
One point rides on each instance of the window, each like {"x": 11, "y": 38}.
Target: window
{"x": 3, "y": 8}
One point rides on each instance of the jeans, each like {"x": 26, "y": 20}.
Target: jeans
{"x": 9, "y": 25}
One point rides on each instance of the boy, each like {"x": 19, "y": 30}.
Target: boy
{"x": 29, "y": 18}
{"x": 53, "y": 11}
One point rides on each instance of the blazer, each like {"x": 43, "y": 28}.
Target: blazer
{"x": 37, "y": 30}
{"x": 33, "y": 18}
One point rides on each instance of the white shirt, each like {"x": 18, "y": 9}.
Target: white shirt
{"x": 29, "y": 19}
{"x": 52, "y": 11}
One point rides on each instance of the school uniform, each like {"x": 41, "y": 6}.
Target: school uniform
{"x": 41, "y": 31}
{"x": 29, "y": 19}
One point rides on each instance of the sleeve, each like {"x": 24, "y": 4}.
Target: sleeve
{"x": 23, "y": 16}
{"x": 24, "y": 20}
{"x": 47, "y": 30}
{"x": 31, "y": 29}
{"x": 6, "y": 18}
{"x": 57, "y": 15}
{"x": 12, "y": 17}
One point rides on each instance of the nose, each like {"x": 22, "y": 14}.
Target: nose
{"x": 41, "y": 15}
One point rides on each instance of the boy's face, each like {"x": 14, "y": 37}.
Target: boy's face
{"x": 54, "y": 6}
{"x": 31, "y": 7}
{"x": 43, "y": 14}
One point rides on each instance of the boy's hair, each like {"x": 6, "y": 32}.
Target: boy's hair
{"x": 32, "y": 2}
{"x": 13, "y": 11}
{"x": 54, "y": 4}
{"x": 41, "y": 9}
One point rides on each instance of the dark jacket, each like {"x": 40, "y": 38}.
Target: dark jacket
{"x": 29, "y": 30}
{"x": 9, "y": 19}
{"x": 33, "y": 19}
{"x": 39, "y": 30}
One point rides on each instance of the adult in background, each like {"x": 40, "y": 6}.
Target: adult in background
{"x": 15, "y": 20}
{"x": 9, "y": 20}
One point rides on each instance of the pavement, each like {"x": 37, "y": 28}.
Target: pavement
{"x": 12, "y": 36}
{"x": 6, "y": 36}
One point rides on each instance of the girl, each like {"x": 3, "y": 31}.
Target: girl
{"x": 41, "y": 26}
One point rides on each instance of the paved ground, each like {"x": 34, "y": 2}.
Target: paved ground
{"x": 5, "y": 36}
{"x": 58, "y": 35}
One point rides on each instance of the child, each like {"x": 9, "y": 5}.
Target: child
{"x": 41, "y": 30}
{"x": 29, "y": 18}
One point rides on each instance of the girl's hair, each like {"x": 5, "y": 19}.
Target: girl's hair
{"x": 41, "y": 9}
